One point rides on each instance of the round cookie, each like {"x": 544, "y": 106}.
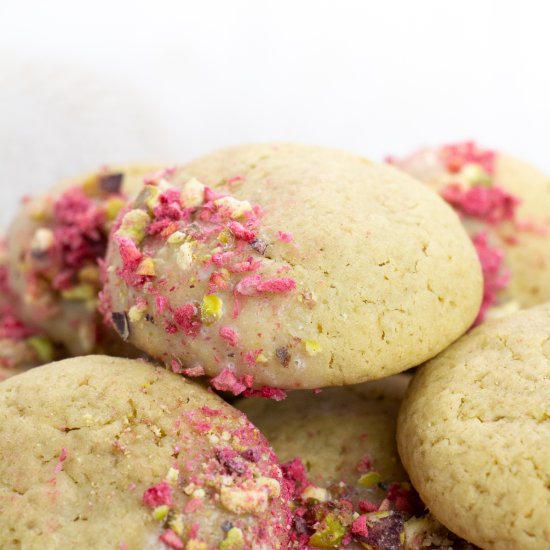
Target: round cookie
{"x": 342, "y": 467}
{"x": 54, "y": 246}
{"x": 505, "y": 204}
{"x": 474, "y": 432}
{"x": 101, "y": 452}
{"x": 21, "y": 346}
{"x": 290, "y": 266}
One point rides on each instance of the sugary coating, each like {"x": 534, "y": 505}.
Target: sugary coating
{"x": 342, "y": 467}
{"x": 474, "y": 433}
{"x": 55, "y": 245}
{"x": 505, "y": 205}
{"x": 21, "y": 346}
{"x": 290, "y": 266}
{"x": 101, "y": 452}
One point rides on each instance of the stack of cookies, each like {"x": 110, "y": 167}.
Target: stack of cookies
{"x": 235, "y": 342}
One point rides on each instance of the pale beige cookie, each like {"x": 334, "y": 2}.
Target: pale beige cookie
{"x": 110, "y": 453}
{"x": 54, "y": 246}
{"x": 290, "y": 266}
{"x": 341, "y": 463}
{"x": 505, "y": 205}
{"x": 474, "y": 433}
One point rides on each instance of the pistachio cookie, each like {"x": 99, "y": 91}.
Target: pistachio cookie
{"x": 474, "y": 432}
{"x": 505, "y": 205}
{"x": 288, "y": 266}
{"x": 55, "y": 245}
{"x": 21, "y": 346}
{"x": 342, "y": 468}
{"x": 101, "y": 452}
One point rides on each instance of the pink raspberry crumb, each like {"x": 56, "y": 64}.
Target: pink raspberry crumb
{"x": 158, "y": 495}
{"x": 170, "y": 539}
{"x": 227, "y": 333}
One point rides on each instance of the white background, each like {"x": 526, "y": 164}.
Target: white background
{"x": 84, "y": 83}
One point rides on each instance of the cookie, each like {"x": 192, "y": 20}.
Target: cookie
{"x": 505, "y": 204}
{"x": 54, "y": 246}
{"x": 102, "y": 452}
{"x": 290, "y": 266}
{"x": 21, "y": 346}
{"x": 474, "y": 432}
{"x": 341, "y": 464}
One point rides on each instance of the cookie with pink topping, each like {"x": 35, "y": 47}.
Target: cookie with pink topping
{"x": 101, "y": 452}
{"x": 289, "y": 266}
{"x": 21, "y": 346}
{"x": 341, "y": 466}
{"x": 55, "y": 246}
{"x": 504, "y": 204}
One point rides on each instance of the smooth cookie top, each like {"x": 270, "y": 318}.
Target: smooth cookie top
{"x": 100, "y": 452}
{"x": 474, "y": 432}
{"x": 288, "y": 266}
{"x": 505, "y": 204}
{"x": 342, "y": 467}
{"x": 54, "y": 246}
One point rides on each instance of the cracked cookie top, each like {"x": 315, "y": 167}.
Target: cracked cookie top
{"x": 474, "y": 432}
{"x": 504, "y": 204}
{"x": 272, "y": 267}
{"x": 113, "y": 453}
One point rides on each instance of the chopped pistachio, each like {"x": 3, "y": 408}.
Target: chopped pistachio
{"x": 177, "y": 237}
{"x": 112, "y": 208}
{"x": 225, "y": 236}
{"x": 211, "y": 309}
{"x": 134, "y": 225}
{"x": 243, "y": 501}
{"x": 262, "y": 358}
{"x": 369, "y": 479}
{"x": 89, "y": 274}
{"x": 137, "y": 313}
{"x": 184, "y": 255}
{"x": 172, "y": 475}
{"x": 376, "y": 516}
{"x": 192, "y": 194}
{"x": 315, "y": 493}
{"x": 42, "y": 240}
{"x": 234, "y": 540}
{"x": 331, "y": 534}
{"x": 80, "y": 292}
{"x": 194, "y": 544}
{"x": 474, "y": 174}
{"x": 91, "y": 186}
{"x": 234, "y": 207}
{"x": 177, "y": 525}
{"x": 40, "y": 210}
{"x": 148, "y": 198}
{"x": 43, "y": 348}
{"x": 146, "y": 267}
{"x": 160, "y": 512}
{"x": 312, "y": 347}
